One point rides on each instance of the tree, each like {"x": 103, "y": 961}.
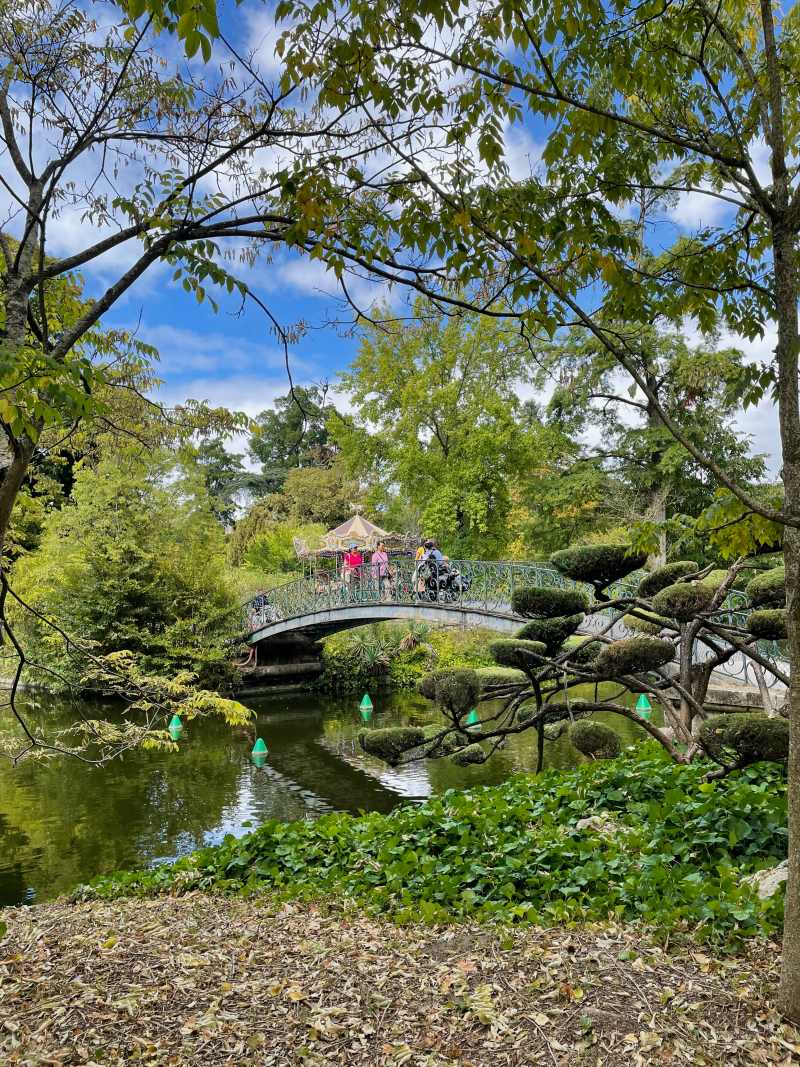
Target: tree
{"x": 292, "y": 433}
{"x": 313, "y": 499}
{"x": 223, "y": 475}
{"x": 437, "y": 422}
{"x": 152, "y": 161}
{"x": 133, "y": 563}
{"x": 692, "y": 385}
{"x": 639, "y": 632}
{"x": 631, "y": 102}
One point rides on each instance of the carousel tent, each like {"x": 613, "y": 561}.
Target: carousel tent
{"x": 356, "y": 530}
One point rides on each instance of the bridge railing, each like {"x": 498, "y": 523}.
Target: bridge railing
{"x": 479, "y": 585}
{"x": 476, "y": 584}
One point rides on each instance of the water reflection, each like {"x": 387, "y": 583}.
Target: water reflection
{"x": 62, "y": 822}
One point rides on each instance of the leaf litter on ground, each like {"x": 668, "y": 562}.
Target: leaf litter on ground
{"x": 207, "y": 980}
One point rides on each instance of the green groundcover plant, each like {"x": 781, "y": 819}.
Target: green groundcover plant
{"x": 672, "y": 851}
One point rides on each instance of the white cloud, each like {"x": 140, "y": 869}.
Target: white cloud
{"x": 699, "y": 208}
{"x": 197, "y": 352}
{"x": 262, "y": 36}
{"x": 523, "y": 153}
{"x": 249, "y": 393}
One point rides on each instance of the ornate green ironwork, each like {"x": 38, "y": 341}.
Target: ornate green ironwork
{"x": 474, "y": 585}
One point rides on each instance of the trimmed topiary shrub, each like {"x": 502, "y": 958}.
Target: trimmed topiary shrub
{"x": 457, "y": 691}
{"x": 667, "y": 575}
{"x": 594, "y": 739}
{"x": 518, "y": 653}
{"x": 491, "y": 677}
{"x": 446, "y": 745}
{"x": 653, "y": 624}
{"x": 599, "y": 565}
{"x": 683, "y": 601}
{"x": 768, "y": 624}
{"x": 536, "y": 601}
{"x": 714, "y": 579}
{"x": 471, "y": 754}
{"x": 391, "y": 743}
{"x": 745, "y": 739}
{"x": 584, "y": 652}
{"x": 768, "y": 590}
{"x": 633, "y": 655}
{"x": 551, "y": 632}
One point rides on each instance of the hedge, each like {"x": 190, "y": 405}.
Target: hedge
{"x": 683, "y": 601}
{"x": 768, "y": 624}
{"x": 633, "y": 655}
{"x": 551, "y": 632}
{"x": 391, "y": 743}
{"x": 768, "y": 590}
{"x": 667, "y": 575}
{"x": 598, "y": 564}
{"x": 750, "y": 737}
{"x": 594, "y": 739}
{"x": 518, "y": 653}
{"x": 457, "y": 690}
{"x": 537, "y": 601}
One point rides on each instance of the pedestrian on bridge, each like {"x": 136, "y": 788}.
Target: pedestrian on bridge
{"x": 379, "y": 566}
{"x": 353, "y": 562}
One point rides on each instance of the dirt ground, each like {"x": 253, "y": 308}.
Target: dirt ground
{"x": 206, "y": 980}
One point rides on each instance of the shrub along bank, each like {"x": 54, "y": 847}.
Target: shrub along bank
{"x": 397, "y": 656}
{"x": 668, "y": 848}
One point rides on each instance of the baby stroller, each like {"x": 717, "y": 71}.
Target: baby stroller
{"x": 442, "y": 582}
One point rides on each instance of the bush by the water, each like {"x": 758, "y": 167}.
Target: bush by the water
{"x": 632, "y": 655}
{"x": 518, "y": 653}
{"x": 512, "y": 852}
{"x": 740, "y": 740}
{"x": 457, "y": 690}
{"x": 594, "y": 739}
{"x": 537, "y": 600}
{"x": 768, "y": 624}
{"x": 391, "y": 743}
{"x": 683, "y": 601}
{"x": 551, "y": 632}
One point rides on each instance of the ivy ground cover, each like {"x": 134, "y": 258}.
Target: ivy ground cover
{"x": 664, "y": 847}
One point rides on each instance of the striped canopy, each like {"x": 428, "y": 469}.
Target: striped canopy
{"x": 356, "y": 529}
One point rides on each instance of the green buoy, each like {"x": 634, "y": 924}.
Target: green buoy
{"x": 366, "y": 703}
{"x": 259, "y": 748}
{"x": 175, "y": 727}
{"x": 644, "y": 707}
{"x": 473, "y": 719}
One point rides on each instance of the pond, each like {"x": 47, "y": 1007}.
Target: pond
{"x": 62, "y": 822}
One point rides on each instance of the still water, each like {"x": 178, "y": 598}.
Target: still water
{"x": 63, "y": 822}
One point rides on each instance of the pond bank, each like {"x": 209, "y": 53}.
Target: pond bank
{"x": 638, "y": 838}
{"x": 207, "y": 979}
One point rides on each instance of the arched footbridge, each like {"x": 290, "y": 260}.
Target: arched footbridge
{"x": 469, "y": 593}
{"x": 478, "y": 593}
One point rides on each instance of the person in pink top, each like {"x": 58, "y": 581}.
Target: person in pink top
{"x": 379, "y": 565}
{"x": 353, "y": 562}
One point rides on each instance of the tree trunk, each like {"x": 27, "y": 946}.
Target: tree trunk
{"x": 789, "y": 992}
{"x": 786, "y": 353}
